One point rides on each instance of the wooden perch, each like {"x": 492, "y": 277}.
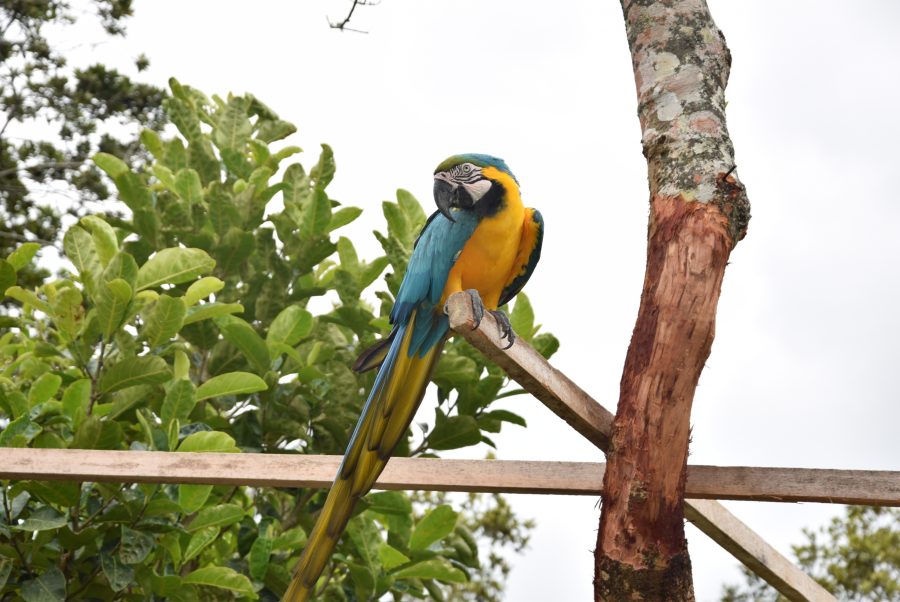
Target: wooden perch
{"x": 430, "y": 474}
{"x": 574, "y": 406}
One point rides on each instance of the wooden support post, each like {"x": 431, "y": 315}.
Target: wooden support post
{"x": 698, "y": 213}
{"x": 709, "y": 517}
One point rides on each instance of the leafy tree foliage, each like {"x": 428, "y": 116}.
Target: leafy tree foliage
{"x": 189, "y": 326}
{"x": 83, "y": 110}
{"x": 855, "y": 557}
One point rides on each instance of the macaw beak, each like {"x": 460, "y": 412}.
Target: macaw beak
{"x": 445, "y": 197}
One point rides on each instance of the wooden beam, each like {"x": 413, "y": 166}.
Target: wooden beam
{"x": 595, "y": 423}
{"x": 529, "y": 368}
{"x": 429, "y": 474}
{"x": 743, "y": 543}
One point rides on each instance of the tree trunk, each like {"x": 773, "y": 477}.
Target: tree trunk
{"x": 698, "y": 212}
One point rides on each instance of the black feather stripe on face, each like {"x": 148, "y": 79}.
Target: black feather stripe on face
{"x": 492, "y": 201}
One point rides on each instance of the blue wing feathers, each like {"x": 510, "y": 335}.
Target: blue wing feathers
{"x": 436, "y": 251}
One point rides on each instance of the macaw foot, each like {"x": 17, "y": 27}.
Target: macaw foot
{"x": 506, "y": 331}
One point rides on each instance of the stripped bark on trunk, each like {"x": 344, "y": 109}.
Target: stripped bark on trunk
{"x": 698, "y": 212}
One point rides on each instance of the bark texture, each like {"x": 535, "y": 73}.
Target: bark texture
{"x": 698, "y": 212}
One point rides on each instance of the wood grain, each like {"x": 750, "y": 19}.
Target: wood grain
{"x": 429, "y": 474}
{"x": 534, "y": 373}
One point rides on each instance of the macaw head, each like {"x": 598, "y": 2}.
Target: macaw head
{"x": 472, "y": 182}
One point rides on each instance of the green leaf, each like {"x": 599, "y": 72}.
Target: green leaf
{"x": 240, "y": 334}
{"x": 347, "y": 255}
{"x": 233, "y": 128}
{"x": 522, "y": 317}
{"x": 211, "y": 310}
{"x": 118, "y": 574}
{"x": 76, "y": 399}
{"x": 5, "y": 569}
{"x": 258, "y": 558}
{"x": 123, "y": 266}
{"x": 231, "y": 383}
{"x": 222, "y": 578}
{"x": 174, "y": 266}
{"x": 42, "y": 519}
{"x": 193, "y": 497}
{"x": 324, "y": 170}
{"x": 546, "y": 344}
{"x": 182, "y": 365}
{"x": 411, "y": 207}
{"x": 454, "y": 370}
{"x": 202, "y": 289}
{"x": 391, "y": 557}
{"x": 276, "y": 349}
{"x": 164, "y": 320}
{"x": 28, "y": 298}
{"x": 68, "y": 311}
{"x": 49, "y": 587}
{"x": 7, "y": 275}
{"x": 453, "y": 432}
{"x": 43, "y": 388}
{"x": 79, "y": 248}
{"x": 19, "y": 432}
{"x": 292, "y": 539}
{"x": 113, "y": 298}
{"x": 272, "y": 130}
{"x": 434, "y": 526}
{"x": 290, "y": 326}
{"x": 343, "y": 216}
{"x": 505, "y": 416}
{"x": 171, "y": 544}
{"x": 164, "y": 175}
{"x": 146, "y": 370}
{"x": 179, "y": 401}
{"x": 435, "y": 568}
{"x": 200, "y": 539}
{"x": 373, "y": 271}
{"x": 104, "y": 237}
{"x": 188, "y": 186}
{"x": 18, "y": 403}
{"x": 366, "y": 538}
{"x": 23, "y": 255}
{"x": 135, "y": 546}
{"x": 111, "y": 164}
{"x": 208, "y": 441}
{"x": 217, "y": 516}
{"x": 316, "y": 215}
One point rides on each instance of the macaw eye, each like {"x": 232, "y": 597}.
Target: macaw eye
{"x": 467, "y": 168}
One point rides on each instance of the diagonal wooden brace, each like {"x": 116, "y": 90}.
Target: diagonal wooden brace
{"x": 527, "y": 367}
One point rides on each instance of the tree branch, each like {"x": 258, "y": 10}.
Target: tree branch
{"x": 698, "y": 213}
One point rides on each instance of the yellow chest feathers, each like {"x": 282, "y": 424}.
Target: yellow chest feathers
{"x": 488, "y": 257}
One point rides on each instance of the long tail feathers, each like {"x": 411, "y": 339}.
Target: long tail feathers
{"x": 396, "y": 394}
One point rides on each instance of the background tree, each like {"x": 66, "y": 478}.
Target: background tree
{"x": 189, "y": 326}
{"x": 855, "y": 557}
{"x": 82, "y": 109}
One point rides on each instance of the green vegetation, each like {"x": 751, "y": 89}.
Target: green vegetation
{"x": 187, "y": 326}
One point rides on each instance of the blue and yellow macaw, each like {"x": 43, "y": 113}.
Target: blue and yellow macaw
{"x": 482, "y": 240}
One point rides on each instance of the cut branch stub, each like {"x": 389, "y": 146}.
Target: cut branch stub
{"x": 698, "y": 212}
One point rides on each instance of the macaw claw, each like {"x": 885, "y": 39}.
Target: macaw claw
{"x": 506, "y": 331}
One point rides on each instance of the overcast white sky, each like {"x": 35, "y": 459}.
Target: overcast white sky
{"x": 804, "y": 368}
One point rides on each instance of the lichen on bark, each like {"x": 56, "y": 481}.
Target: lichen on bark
{"x": 681, "y": 66}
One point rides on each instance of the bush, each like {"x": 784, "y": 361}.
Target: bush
{"x": 188, "y": 328}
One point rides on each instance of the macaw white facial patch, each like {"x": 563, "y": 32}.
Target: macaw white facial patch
{"x": 478, "y": 188}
